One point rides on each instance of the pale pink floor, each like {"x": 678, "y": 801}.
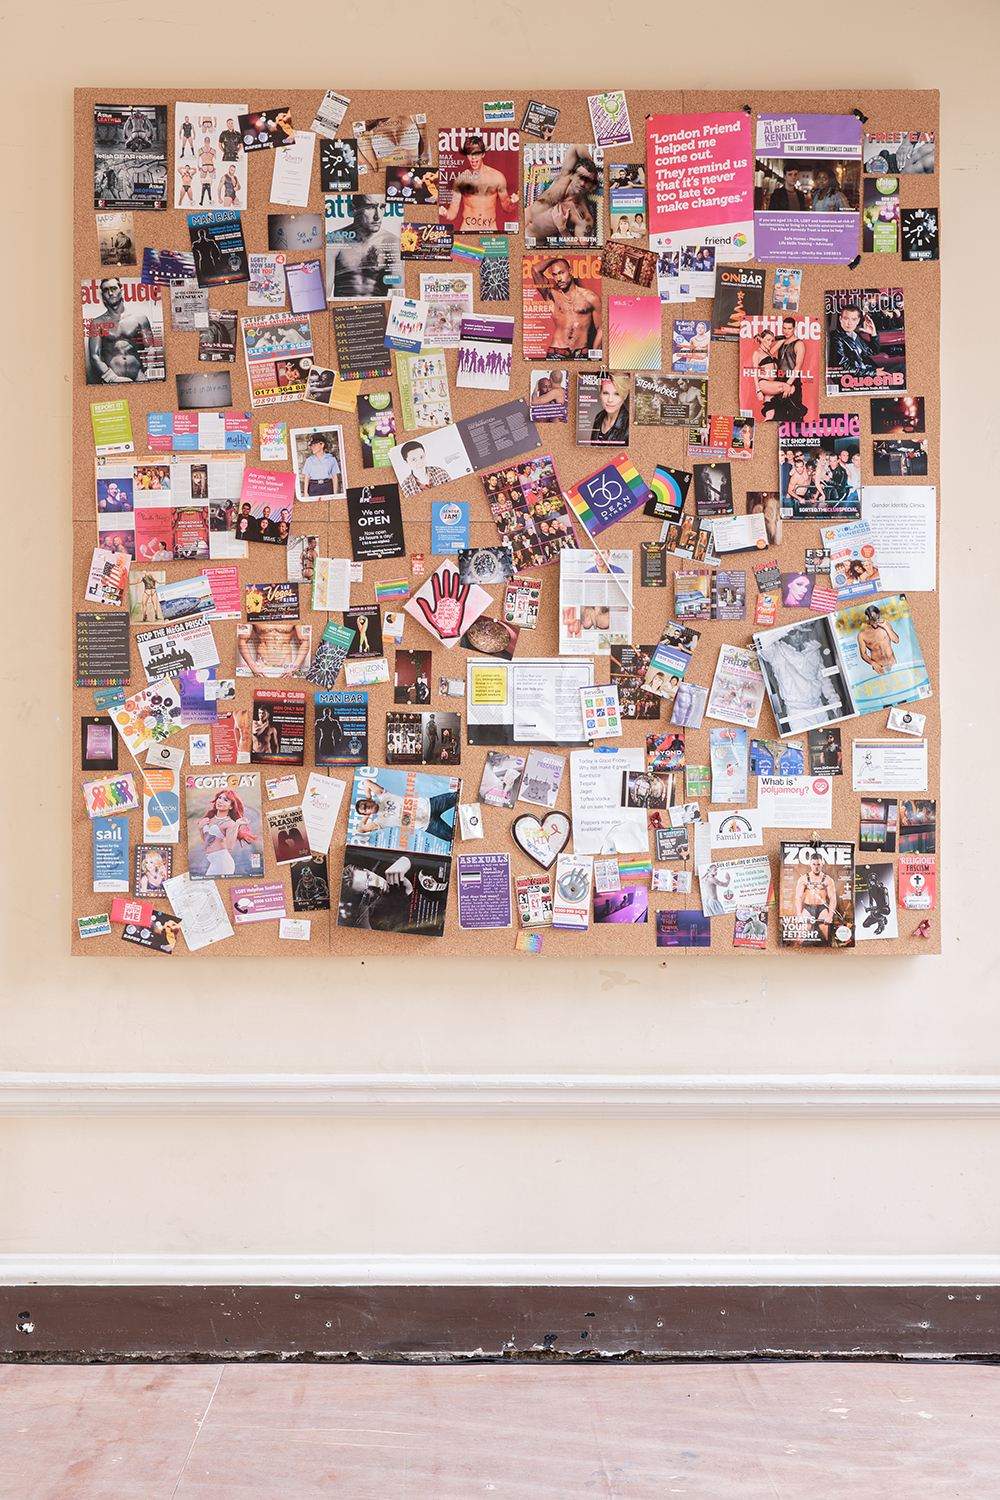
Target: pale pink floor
{"x": 708, "y": 1432}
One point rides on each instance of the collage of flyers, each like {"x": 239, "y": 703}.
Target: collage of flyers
{"x": 682, "y": 683}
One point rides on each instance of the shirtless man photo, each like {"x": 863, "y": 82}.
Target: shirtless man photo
{"x": 816, "y": 898}
{"x": 576, "y": 312}
{"x": 108, "y": 333}
{"x": 369, "y": 265}
{"x": 265, "y": 734}
{"x": 273, "y": 648}
{"x": 480, "y": 200}
{"x": 876, "y": 640}
{"x": 562, "y": 210}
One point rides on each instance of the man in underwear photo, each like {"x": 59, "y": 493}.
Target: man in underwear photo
{"x": 576, "y": 312}
{"x": 187, "y": 177}
{"x": 562, "y": 210}
{"x": 206, "y": 163}
{"x": 816, "y": 898}
{"x": 150, "y": 598}
{"x": 229, "y": 188}
{"x": 360, "y": 267}
{"x": 265, "y": 734}
{"x": 479, "y": 193}
{"x": 118, "y": 338}
{"x": 876, "y": 640}
{"x": 273, "y": 648}
{"x": 187, "y": 137}
{"x": 796, "y": 664}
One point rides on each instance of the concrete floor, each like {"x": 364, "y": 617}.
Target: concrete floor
{"x": 294, "y": 1432}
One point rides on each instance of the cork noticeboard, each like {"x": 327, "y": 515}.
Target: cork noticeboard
{"x": 649, "y": 446}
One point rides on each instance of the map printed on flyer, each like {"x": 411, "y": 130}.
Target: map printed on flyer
{"x": 819, "y": 468}
{"x": 563, "y": 195}
{"x": 279, "y": 356}
{"x": 816, "y": 895}
{"x": 701, "y": 182}
{"x": 122, "y": 331}
{"x": 780, "y": 358}
{"x": 807, "y": 175}
{"x": 865, "y": 341}
{"x": 363, "y": 253}
{"x": 130, "y": 156}
{"x": 478, "y": 179}
{"x": 561, "y": 302}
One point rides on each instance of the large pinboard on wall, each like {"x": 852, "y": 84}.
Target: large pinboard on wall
{"x": 648, "y": 447}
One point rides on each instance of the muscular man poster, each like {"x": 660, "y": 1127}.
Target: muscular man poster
{"x": 562, "y": 307}
{"x": 123, "y": 331}
{"x": 478, "y": 180}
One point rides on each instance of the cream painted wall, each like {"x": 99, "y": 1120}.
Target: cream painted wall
{"x": 354, "y": 1186}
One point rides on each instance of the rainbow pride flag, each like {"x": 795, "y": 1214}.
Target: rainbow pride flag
{"x": 614, "y": 491}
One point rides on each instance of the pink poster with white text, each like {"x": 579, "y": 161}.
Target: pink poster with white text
{"x": 701, "y": 182}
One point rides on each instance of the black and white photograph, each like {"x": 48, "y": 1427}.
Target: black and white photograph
{"x": 804, "y": 675}
{"x": 875, "y": 902}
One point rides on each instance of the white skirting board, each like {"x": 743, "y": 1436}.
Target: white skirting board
{"x": 571, "y": 1096}
{"x": 596, "y": 1270}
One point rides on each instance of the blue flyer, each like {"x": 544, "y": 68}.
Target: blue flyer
{"x": 111, "y": 864}
{"x": 449, "y": 527}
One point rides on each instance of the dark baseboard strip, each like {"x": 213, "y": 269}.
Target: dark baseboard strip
{"x": 82, "y": 1323}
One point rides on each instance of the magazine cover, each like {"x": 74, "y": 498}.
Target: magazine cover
{"x": 882, "y": 657}
{"x": 819, "y": 468}
{"x": 563, "y": 195}
{"x": 478, "y": 179}
{"x": 341, "y": 728}
{"x": 130, "y": 156}
{"x": 602, "y": 409}
{"x": 865, "y": 341}
{"x": 780, "y": 368}
{"x": 737, "y": 687}
{"x": 122, "y": 331}
{"x": 561, "y": 303}
{"x": 224, "y": 826}
{"x": 806, "y": 675}
{"x": 816, "y": 895}
{"x": 404, "y": 810}
{"x": 363, "y": 255}
{"x": 670, "y": 400}
{"x": 390, "y": 891}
